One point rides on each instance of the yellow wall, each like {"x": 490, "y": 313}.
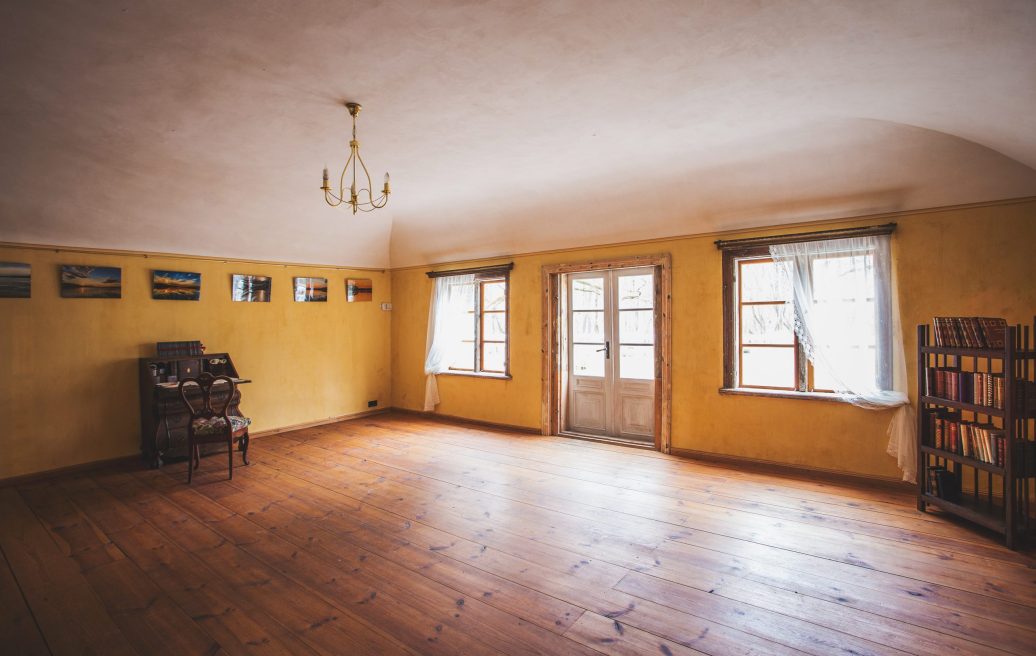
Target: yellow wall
{"x": 976, "y": 261}
{"x": 68, "y": 367}
{"x": 68, "y": 389}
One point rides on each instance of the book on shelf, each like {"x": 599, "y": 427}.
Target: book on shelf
{"x": 970, "y": 332}
{"x": 943, "y": 483}
{"x": 983, "y": 442}
{"x": 975, "y": 387}
{"x": 173, "y": 349}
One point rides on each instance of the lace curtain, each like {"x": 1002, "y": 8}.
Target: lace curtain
{"x": 448, "y": 324}
{"x": 847, "y": 322}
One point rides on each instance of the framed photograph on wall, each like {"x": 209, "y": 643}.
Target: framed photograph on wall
{"x": 15, "y": 280}
{"x": 359, "y": 290}
{"x": 250, "y": 289}
{"x": 90, "y": 281}
{"x": 175, "y": 285}
{"x": 310, "y": 289}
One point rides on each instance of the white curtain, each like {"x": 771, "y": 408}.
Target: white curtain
{"x": 847, "y": 321}
{"x": 448, "y": 324}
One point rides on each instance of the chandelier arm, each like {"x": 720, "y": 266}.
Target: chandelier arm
{"x": 373, "y": 202}
{"x": 370, "y": 185}
{"x": 341, "y": 181}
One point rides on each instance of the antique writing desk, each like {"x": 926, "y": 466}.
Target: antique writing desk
{"x": 163, "y": 416}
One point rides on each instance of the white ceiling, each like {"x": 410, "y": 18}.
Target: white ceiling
{"x": 202, "y": 127}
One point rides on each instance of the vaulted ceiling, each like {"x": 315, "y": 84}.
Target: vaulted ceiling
{"x": 202, "y": 127}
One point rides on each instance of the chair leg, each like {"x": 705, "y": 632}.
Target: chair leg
{"x": 190, "y": 460}
{"x": 230, "y": 456}
{"x": 244, "y": 448}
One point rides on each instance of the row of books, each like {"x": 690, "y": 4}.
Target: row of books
{"x": 970, "y": 332}
{"x": 983, "y": 442}
{"x": 943, "y": 483}
{"x": 966, "y": 386}
{"x": 170, "y": 349}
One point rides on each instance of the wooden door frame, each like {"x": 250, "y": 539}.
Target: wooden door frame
{"x": 550, "y": 407}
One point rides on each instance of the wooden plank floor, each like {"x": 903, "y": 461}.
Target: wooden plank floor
{"x": 394, "y": 534}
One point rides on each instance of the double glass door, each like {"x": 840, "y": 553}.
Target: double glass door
{"x": 610, "y": 353}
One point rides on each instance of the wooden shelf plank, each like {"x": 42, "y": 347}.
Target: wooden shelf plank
{"x": 976, "y": 352}
{"x": 971, "y": 407}
{"x": 991, "y": 518}
{"x": 964, "y": 460}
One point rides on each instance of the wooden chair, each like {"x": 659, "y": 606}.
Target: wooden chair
{"x": 210, "y": 425}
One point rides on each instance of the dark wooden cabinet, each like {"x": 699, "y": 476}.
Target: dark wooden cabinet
{"x": 163, "y": 415}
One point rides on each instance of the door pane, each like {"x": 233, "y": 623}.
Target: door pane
{"x": 588, "y": 327}
{"x": 768, "y": 367}
{"x": 767, "y": 324}
{"x": 588, "y": 294}
{"x": 494, "y": 326}
{"x": 494, "y": 295}
{"x": 587, "y": 361}
{"x": 637, "y": 362}
{"x": 493, "y": 356}
{"x": 761, "y": 282}
{"x": 637, "y": 326}
{"x": 636, "y": 292}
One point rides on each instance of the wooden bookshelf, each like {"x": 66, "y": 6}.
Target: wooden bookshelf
{"x": 997, "y": 489}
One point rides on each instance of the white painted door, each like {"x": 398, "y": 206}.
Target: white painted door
{"x": 610, "y": 319}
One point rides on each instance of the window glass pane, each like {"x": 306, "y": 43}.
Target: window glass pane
{"x": 637, "y": 362}
{"x": 767, "y": 324}
{"x": 760, "y": 282}
{"x": 462, "y": 356}
{"x": 843, "y": 277}
{"x": 588, "y": 327}
{"x": 588, "y": 294}
{"x": 463, "y": 327}
{"x": 494, "y": 295}
{"x": 494, "y": 326}
{"x": 636, "y": 292}
{"x": 587, "y": 361}
{"x": 860, "y": 367}
{"x": 493, "y": 355}
{"x": 637, "y": 327}
{"x": 768, "y": 367}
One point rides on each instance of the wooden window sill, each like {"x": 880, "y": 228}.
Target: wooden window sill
{"x": 474, "y": 374}
{"x": 783, "y": 394}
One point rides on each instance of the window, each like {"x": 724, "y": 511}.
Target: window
{"x": 848, "y": 315}
{"x": 483, "y": 332}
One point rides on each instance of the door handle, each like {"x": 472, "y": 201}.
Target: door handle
{"x": 607, "y": 350}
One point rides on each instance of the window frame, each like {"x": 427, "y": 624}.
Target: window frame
{"x": 736, "y": 251}
{"x": 478, "y": 341}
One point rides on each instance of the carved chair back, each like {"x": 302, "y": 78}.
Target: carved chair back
{"x": 206, "y": 382}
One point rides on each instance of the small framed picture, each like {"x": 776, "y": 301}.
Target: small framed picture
{"x": 308, "y": 290}
{"x": 15, "y": 280}
{"x": 175, "y": 286}
{"x": 91, "y": 282}
{"x": 359, "y": 290}
{"x": 250, "y": 289}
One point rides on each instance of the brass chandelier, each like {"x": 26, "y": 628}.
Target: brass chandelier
{"x": 361, "y": 199}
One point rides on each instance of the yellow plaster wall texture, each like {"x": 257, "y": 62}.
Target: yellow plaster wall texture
{"x": 974, "y": 261}
{"x": 68, "y": 393}
{"x": 69, "y": 384}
